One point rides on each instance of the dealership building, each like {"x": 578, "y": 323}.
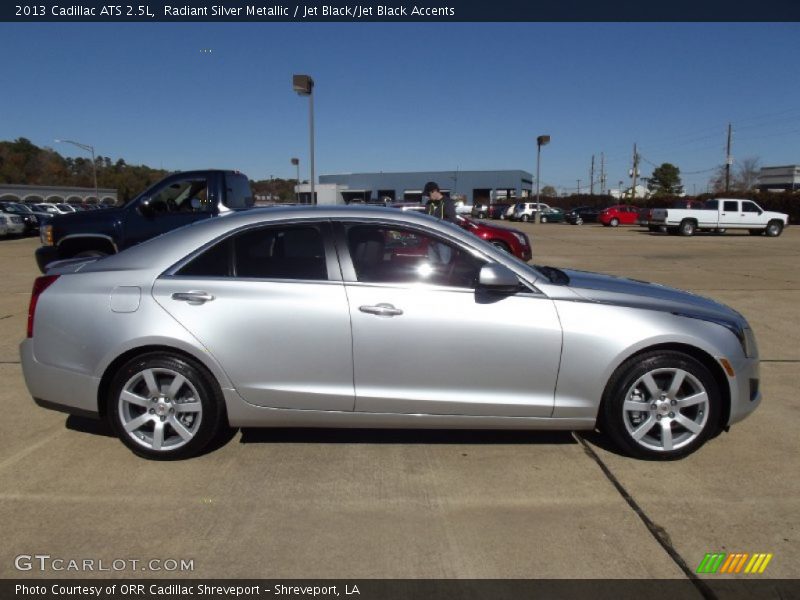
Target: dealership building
{"x": 778, "y": 179}
{"x": 474, "y": 186}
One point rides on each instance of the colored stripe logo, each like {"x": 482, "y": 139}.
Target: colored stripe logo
{"x": 734, "y": 563}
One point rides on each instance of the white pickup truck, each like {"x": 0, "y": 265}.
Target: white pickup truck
{"x": 718, "y": 215}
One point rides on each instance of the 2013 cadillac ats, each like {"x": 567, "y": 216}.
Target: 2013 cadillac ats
{"x": 370, "y": 317}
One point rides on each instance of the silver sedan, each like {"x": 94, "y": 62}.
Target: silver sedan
{"x": 371, "y": 317}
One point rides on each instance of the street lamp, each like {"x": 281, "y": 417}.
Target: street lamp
{"x": 542, "y": 140}
{"x": 94, "y": 165}
{"x": 296, "y": 163}
{"x": 304, "y": 86}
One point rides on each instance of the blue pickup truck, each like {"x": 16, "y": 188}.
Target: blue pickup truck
{"x": 176, "y": 200}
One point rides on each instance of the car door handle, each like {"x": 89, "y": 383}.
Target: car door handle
{"x": 193, "y": 297}
{"x": 382, "y": 310}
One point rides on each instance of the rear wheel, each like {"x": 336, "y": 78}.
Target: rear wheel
{"x": 614, "y": 222}
{"x": 544, "y": 219}
{"x": 164, "y": 406}
{"x": 661, "y": 405}
{"x": 525, "y": 218}
{"x": 687, "y": 228}
{"x": 774, "y": 228}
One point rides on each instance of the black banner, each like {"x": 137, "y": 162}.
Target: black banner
{"x": 417, "y": 11}
{"x": 381, "y": 589}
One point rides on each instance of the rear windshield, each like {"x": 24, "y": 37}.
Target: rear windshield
{"x": 237, "y": 191}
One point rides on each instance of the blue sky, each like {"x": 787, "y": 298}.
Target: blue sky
{"x": 405, "y": 97}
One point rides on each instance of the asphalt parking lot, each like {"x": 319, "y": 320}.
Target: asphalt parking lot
{"x": 411, "y": 504}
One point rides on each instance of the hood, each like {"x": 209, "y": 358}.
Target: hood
{"x": 607, "y": 289}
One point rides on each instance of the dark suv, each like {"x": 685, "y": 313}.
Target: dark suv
{"x": 176, "y": 200}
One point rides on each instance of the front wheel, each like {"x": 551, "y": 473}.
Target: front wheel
{"x": 525, "y": 218}
{"x": 774, "y": 228}
{"x": 661, "y": 405}
{"x": 543, "y": 219}
{"x": 614, "y": 222}
{"x": 164, "y": 406}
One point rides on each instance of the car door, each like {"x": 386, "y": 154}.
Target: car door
{"x": 180, "y": 201}
{"x": 730, "y": 214}
{"x": 269, "y": 304}
{"x": 751, "y": 215}
{"x": 426, "y": 341}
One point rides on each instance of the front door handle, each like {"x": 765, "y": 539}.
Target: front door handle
{"x": 382, "y": 310}
{"x": 193, "y": 297}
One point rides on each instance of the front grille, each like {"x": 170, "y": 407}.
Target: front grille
{"x": 17, "y": 220}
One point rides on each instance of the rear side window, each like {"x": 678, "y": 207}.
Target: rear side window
{"x": 730, "y": 206}
{"x": 294, "y": 252}
{"x": 711, "y": 204}
{"x": 238, "y": 193}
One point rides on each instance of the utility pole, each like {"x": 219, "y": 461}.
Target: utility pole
{"x": 591, "y": 178}
{"x": 579, "y": 187}
{"x": 728, "y": 161}
{"x": 602, "y": 174}
{"x": 634, "y": 173}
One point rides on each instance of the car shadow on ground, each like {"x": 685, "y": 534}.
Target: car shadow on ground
{"x": 401, "y": 436}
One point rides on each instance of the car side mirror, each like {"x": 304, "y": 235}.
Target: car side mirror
{"x": 145, "y": 208}
{"x": 498, "y": 278}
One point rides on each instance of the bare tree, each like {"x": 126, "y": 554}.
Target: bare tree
{"x": 743, "y": 178}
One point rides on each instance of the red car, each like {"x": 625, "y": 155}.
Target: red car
{"x": 512, "y": 241}
{"x": 619, "y": 214}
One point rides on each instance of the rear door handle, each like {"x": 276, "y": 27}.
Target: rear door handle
{"x": 382, "y": 310}
{"x": 193, "y": 297}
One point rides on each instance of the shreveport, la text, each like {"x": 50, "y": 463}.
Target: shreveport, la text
{"x": 177, "y": 589}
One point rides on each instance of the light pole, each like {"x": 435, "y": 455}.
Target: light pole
{"x": 304, "y": 86}
{"x": 94, "y": 164}
{"x": 296, "y": 163}
{"x": 542, "y": 140}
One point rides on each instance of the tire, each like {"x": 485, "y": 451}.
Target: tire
{"x": 687, "y": 228}
{"x": 774, "y": 229}
{"x": 579, "y": 221}
{"x": 682, "y": 420}
{"x": 614, "y": 222}
{"x": 543, "y": 219}
{"x": 482, "y": 215}
{"x": 502, "y": 245}
{"x": 141, "y": 398}
{"x": 755, "y": 231}
{"x": 525, "y": 218}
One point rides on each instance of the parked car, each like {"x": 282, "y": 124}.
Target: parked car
{"x": 29, "y": 219}
{"x": 509, "y": 214}
{"x": 462, "y": 208}
{"x": 66, "y": 208}
{"x": 235, "y": 321}
{"x": 619, "y": 214}
{"x": 498, "y": 210}
{"x": 526, "y": 211}
{"x": 721, "y": 214}
{"x": 583, "y": 214}
{"x": 552, "y": 215}
{"x": 46, "y": 207}
{"x": 3, "y": 226}
{"x": 480, "y": 210}
{"x": 509, "y": 240}
{"x": 15, "y": 224}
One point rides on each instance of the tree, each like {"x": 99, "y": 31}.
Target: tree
{"x": 665, "y": 181}
{"x": 744, "y": 176}
{"x": 549, "y": 191}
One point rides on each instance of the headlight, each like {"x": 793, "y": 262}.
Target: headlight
{"x": 46, "y": 235}
{"x": 520, "y": 238}
{"x": 749, "y": 345}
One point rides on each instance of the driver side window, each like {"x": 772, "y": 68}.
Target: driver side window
{"x": 383, "y": 254}
{"x": 184, "y": 196}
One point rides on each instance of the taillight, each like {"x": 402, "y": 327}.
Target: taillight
{"x": 39, "y": 286}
